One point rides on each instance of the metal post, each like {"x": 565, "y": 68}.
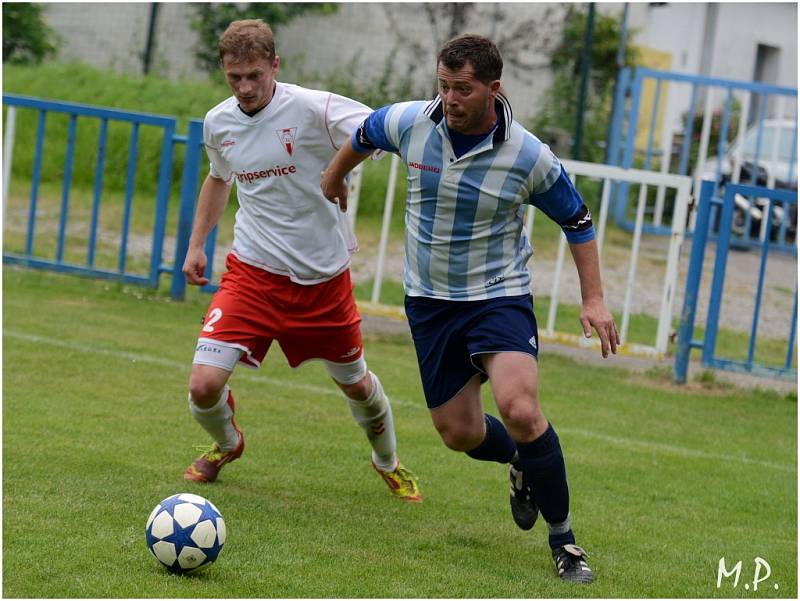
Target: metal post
{"x": 762, "y": 268}
{"x": 686, "y": 329}
{"x": 151, "y": 38}
{"x": 353, "y": 194}
{"x": 191, "y": 171}
{"x": 586, "y": 65}
{"x": 718, "y": 277}
{"x": 388, "y": 206}
{"x": 618, "y": 95}
{"x": 162, "y": 202}
{"x": 8, "y": 153}
{"x": 617, "y": 115}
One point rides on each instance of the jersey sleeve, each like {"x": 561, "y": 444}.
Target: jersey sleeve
{"x": 218, "y": 166}
{"x": 342, "y": 117}
{"x": 556, "y": 196}
{"x": 372, "y": 133}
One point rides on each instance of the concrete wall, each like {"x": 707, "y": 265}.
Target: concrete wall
{"x": 362, "y": 38}
{"x": 718, "y": 41}
{"x": 114, "y": 35}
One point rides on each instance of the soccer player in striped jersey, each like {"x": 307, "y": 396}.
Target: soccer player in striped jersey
{"x": 471, "y": 171}
{"x": 287, "y": 275}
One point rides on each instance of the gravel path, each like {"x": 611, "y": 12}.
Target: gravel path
{"x": 738, "y": 296}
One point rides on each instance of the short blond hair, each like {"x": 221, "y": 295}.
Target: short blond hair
{"x": 247, "y": 40}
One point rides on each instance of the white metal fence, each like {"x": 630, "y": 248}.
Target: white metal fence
{"x": 606, "y": 175}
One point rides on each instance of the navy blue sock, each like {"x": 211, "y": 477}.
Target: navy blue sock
{"x": 497, "y": 445}
{"x": 542, "y": 465}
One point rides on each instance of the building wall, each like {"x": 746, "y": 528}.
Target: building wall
{"x": 742, "y": 27}
{"x": 357, "y": 42}
{"x": 361, "y": 39}
{"x": 403, "y": 36}
{"x": 675, "y": 28}
{"x": 114, "y": 36}
{"x": 719, "y": 41}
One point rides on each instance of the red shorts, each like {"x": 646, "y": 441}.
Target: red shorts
{"x": 253, "y": 307}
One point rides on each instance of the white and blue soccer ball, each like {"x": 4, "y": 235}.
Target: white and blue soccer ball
{"x": 185, "y": 533}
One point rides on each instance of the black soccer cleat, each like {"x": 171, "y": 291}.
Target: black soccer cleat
{"x": 523, "y": 509}
{"x": 571, "y": 564}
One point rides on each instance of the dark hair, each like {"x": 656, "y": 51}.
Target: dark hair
{"x": 475, "y": 49}
{"x": 247, "y": 40}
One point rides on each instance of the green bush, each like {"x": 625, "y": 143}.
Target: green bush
{"x": 26, "y": 37}
{"x": 561, "y": 100}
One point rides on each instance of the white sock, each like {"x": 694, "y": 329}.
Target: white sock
{"x": 374, "y": 415}
{"x": 217, "y": 421}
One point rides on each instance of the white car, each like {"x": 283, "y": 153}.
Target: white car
{"x": 776, "y": 167}
{"x": 778, "y": 163}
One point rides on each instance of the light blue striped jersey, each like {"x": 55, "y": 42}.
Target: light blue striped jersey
{"x": 465, "y": 238}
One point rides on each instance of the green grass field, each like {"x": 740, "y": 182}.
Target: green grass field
{"x": 665, "y": 481}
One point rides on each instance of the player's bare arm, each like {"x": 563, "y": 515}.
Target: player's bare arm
{"x": 211, "y": 204}
{"x": 594, "y": 313}
{"x": 334, "y": 188}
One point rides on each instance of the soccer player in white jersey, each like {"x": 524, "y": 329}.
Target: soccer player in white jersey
{"x": 471, "y": 171}
{"x": 287, "y": 275}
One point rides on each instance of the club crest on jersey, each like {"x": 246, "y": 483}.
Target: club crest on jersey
{"x": 286, "y": 136}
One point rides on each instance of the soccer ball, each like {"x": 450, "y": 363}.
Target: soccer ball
{"x": 185, "y": 532}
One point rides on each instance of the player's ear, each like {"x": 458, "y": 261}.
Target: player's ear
{"x": 276, "y": 63}
{"x": 494, "y": 87}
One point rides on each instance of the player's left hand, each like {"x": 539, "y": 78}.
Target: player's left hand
{"x": 334, "y": 191}
{"x": 594, "y": 314}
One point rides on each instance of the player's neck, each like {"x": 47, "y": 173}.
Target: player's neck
{"x": 255, "y": 112}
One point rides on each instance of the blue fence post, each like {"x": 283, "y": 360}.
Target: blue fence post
{"x": 621, "y": 204}
{"x": 66, "y": 187}
{"x": 99, "y": 170}
{"x": 37, "y": 174}
{"x": 762, "y": 268}
{"x": 162, "y": 201}
{"x": 191, "y": 171}
{"x": 130, "y": 185}
{"x": 210, "y": 248}
{"x": 718, "y": 277}
{"x": 686, "y": 329}
{"x": 615, "y": 134}
{"x": 792, "y": 335}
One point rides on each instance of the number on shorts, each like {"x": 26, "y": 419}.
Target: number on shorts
{"x": 213, "y": 317}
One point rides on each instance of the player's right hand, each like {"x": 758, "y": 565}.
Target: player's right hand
{"x": 335, "y": 191}
{"x": 194, "y": 267}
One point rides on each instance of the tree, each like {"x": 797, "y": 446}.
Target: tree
{"x": 26, "y": 37}
{"x": 525, "y": 43}
{"x": 565, "y": 60}
{"x": 212, "y": 19}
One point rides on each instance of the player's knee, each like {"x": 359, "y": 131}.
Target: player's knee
{"x": 359, "y": 391}
{"x": 205, "y": 391}
{"x": 458, "y": 437}
{"x": 521, "y": 413}
{"x": 353, "y": 379}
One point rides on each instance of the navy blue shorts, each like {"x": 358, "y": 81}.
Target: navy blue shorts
{"x": 448, "y": 334}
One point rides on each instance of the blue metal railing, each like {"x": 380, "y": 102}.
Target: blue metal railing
{"x": 105, "y": 116}
{"x": 686, "y": 342}
{"x": 625, "y": 126}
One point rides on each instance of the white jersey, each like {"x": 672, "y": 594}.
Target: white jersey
{"x": 284, "y": 224}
